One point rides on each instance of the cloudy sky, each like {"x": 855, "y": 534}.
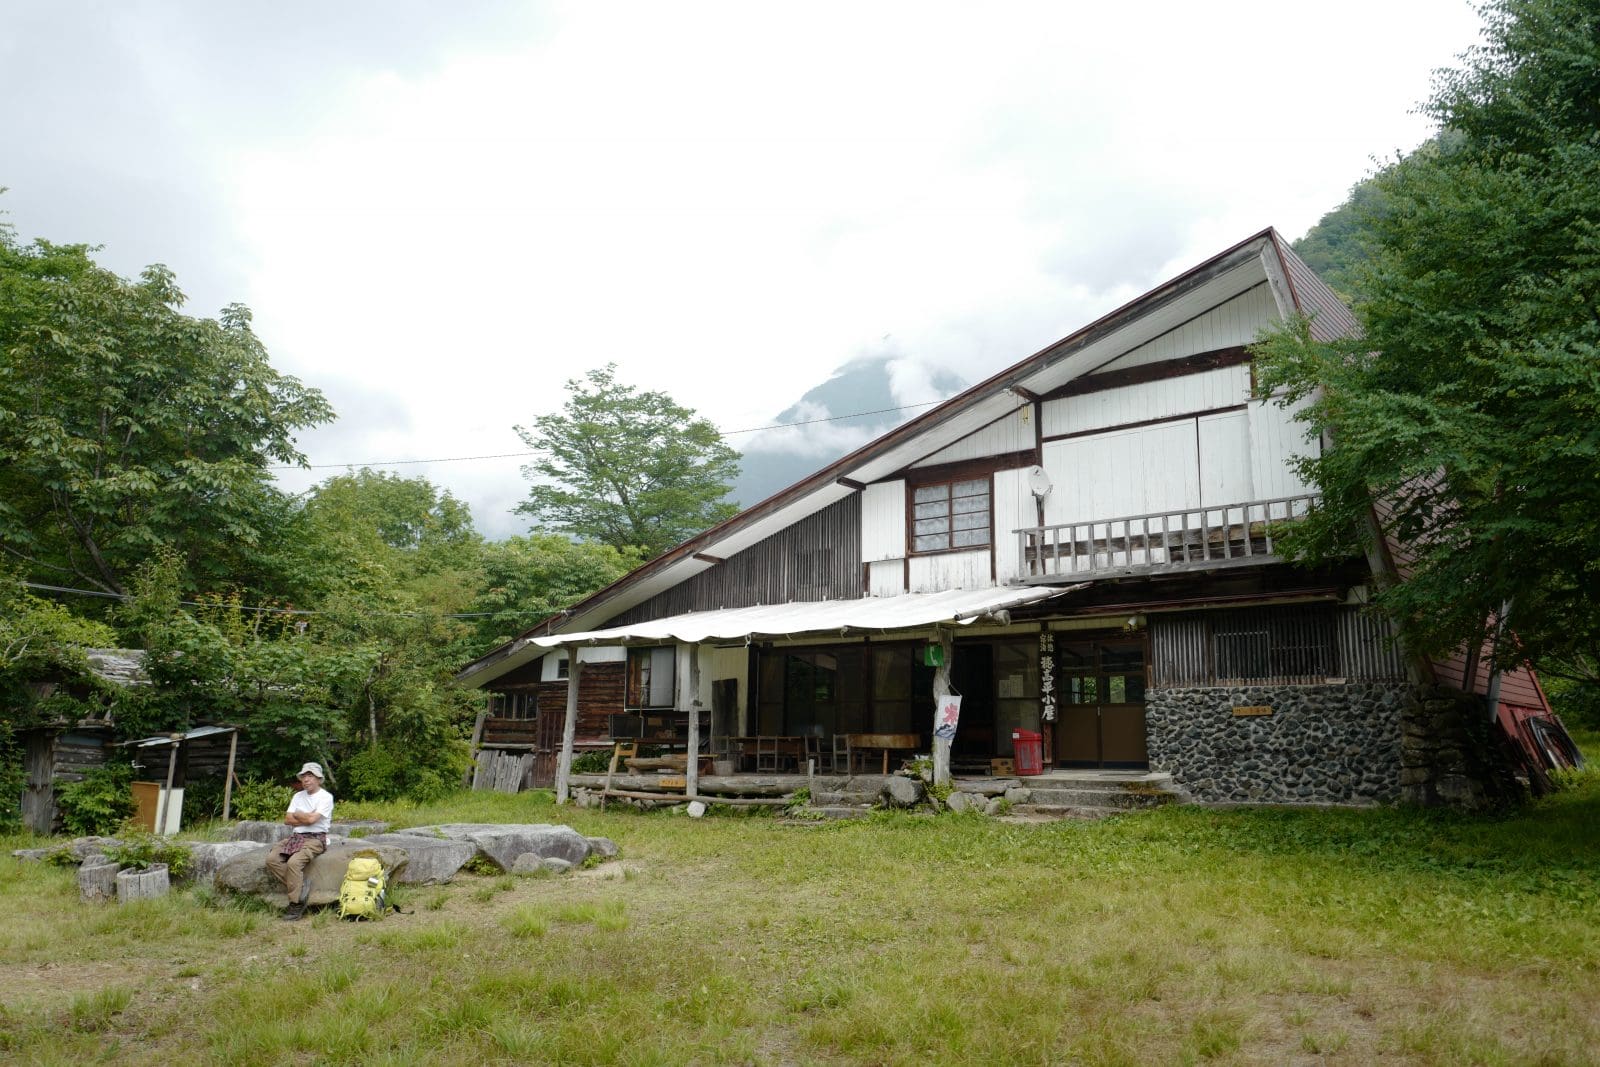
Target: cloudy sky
{"x": 440, "y": 212}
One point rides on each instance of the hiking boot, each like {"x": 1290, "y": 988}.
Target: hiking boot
{"x": 293, "y": 912}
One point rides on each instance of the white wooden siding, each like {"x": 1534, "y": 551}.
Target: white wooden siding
{"x": 1121, "y": 473}
{"x": 1225, "y": 467}
{"x": 1275, "y": 440}
{"x": 886, "y": 578}
{"x": 1014, "y": 508}
{"x": 883, "y": 521}
{"x": 950, "y": 570}
{"x": 1218, "y": 388}
{"x": 1013, "y": 433}
{"x": 1234, "y": 322}
{"x": 551, "y": 664}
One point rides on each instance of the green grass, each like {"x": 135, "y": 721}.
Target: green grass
{"x": 1180, "y": 936}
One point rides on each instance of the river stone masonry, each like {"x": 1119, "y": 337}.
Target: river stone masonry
{"x": 1321, "y": 744}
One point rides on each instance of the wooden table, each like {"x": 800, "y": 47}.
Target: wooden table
{"x": 885, "y": 743}
{"x": 770, "y": 748}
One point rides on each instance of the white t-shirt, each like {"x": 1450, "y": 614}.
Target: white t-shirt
{"x": 320, "y": 802}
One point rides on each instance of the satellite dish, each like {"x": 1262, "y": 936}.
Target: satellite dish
{"x": 1039, "y": 482}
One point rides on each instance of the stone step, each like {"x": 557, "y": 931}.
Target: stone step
{"x": 839, "y": 811}
{"x": 843, "y": 798}
{"x": 1143, "y": 783}
{"x": 1098, "y": 798}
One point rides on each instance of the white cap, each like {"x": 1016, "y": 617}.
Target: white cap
{"x": 312, "y": 768}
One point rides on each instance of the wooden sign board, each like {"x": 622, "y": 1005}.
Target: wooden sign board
{"x": 673, "y": 781}
{"x": 1252, "y": 709}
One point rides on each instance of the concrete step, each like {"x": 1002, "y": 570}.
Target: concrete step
{"x": 1088, "y": 783}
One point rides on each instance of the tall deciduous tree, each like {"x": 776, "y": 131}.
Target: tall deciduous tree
{"x": 128, "y": 426}
{"x": 1471, "y": 406}
{"x": 627, "y": 467}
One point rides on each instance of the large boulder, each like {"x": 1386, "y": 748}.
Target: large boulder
{"x": 604, "y": 847}
{"x": 265, "y": 833}
{"x": 431, "y": 860}
{"x": 207, "y": 857}
{"x": 247, "y": 873}
{"x": 902, "y": 792}
{"x": 502, "y": 844}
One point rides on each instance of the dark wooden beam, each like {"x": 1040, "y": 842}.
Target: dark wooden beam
{"x": 851, "y": 483}
{"x": 1147, "y": 422}
{"x": 1027, "y": 394}
{"x": 1152, "y": 372}
{"x": 704, "y": 557}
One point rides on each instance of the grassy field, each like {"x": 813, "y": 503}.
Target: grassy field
{"x": 1180, "y": 936}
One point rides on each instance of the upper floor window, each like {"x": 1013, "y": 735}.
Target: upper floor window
{"x": 951, "y": 515}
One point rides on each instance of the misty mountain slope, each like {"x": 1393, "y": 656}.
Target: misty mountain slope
{"x": 773, "y": 460}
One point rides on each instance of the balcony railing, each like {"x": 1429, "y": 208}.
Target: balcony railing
{"x": 1228, "y": 535}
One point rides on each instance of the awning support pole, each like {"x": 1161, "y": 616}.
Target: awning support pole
{"x": 941, "y": 689}
{"x": 166, "y": 794}
{"x": 227, "y": 781}
{"x": 569, "y": 727}
{"x": 692, "y": 766}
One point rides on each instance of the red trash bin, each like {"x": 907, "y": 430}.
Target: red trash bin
{"x": 1027, "y": 751}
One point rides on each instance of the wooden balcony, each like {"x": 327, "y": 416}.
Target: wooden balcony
{"x": 1230, "y": 535}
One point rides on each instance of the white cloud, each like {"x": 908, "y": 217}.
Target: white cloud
{"x": 443, "y": 221}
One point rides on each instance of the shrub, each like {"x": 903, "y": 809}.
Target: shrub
{"x": 259, "y": 800}
{"x": 382, "y": 773}
{"x": 100, "y": 802}
{"x": 142, "y": 851}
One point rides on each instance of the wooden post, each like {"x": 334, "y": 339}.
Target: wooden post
{"x": 477, "y": 743}
{"x": 166, "y": 794}
{"x": 97, "y": 880}
{"x": 692, "y": 765}
{"x": 941, "y": 689}
{"x": 227, "y": 779}
{"x": 145, "y": 884}
{"x": 568, "y": 728}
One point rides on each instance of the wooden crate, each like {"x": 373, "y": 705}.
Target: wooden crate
{"x": 1002, "y": 768}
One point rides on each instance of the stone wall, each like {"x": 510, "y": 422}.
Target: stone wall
{"x": 1321, "y": 744}
{"x": 1452, "y": 754}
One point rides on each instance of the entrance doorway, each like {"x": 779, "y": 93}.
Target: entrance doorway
{"x": 972, "y": 675}
{"x": 1101, "y": 683}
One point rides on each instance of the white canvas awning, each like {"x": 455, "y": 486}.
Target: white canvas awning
{"x": 906, "y": 612}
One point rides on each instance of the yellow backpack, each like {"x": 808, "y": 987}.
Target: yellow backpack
{"x": 363, "y": 893}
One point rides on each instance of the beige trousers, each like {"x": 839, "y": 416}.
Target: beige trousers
{"x": 292, "y": 871}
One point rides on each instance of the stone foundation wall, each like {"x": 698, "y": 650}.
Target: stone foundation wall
{"x": 1452, "y": 754}
{"x": 1321, "y": 744}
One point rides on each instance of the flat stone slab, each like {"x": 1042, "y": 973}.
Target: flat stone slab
{"x": 80, "y": 848}
{"x": 431, "y": 860}
{"x": 207, "y": 857}
{"x": 265, "y": 833}
{"x": 502, "y": 843}
{"x": 247, "y": 872}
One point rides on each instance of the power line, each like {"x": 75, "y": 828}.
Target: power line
{"x": 293, "y": 611}
{"x": 543, "y": 452}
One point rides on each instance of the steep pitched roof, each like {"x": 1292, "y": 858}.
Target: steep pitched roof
{"x": 1242, "y": 266}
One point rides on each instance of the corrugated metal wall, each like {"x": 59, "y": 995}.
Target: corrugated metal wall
{"x": 1276, "y": 646}
{"x": 818, "y": 558}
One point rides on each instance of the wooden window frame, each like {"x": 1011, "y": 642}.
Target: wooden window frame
{"x": 950, "y": 482}
{"x": 638, "y": 684}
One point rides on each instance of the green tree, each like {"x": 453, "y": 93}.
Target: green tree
{"x": 1470, "y": 408}
{"x": 627, "y": 467}
{"x": 127, "y": 426}
{"x": 526, "y": 579}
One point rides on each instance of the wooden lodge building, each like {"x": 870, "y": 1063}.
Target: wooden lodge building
{"x": 1086, "y": 539}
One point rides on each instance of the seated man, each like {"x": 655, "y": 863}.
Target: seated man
{"x": 310, "y": 814}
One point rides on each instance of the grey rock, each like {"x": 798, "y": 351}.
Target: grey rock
{"x": 248, "y": 873}
{"x": 207, "y": 857}
{"x": 31, "y": 855}
{"x": 502, "y": 844}
{"x": 993, "y": 806}
{"x": 1019, "y": 794}
{"x": 903, "y": 792}
{"x": 959, "y": 801}
{"x": 604, "y": 847}
{"x": 259, "y": 831}
{"x": 554, "y": 865}
{"x": 430, "y": 860}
